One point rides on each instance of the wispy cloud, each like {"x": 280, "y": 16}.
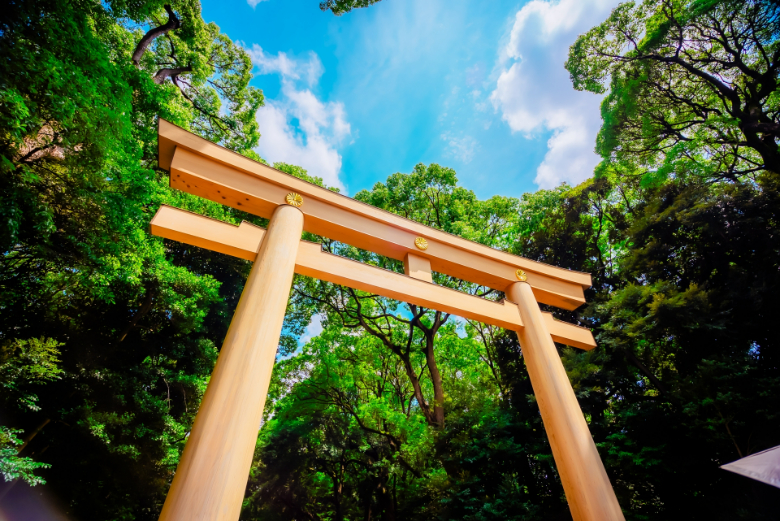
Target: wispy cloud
{"x": 254, "y": 3}
{"x": 299, "y": 128}
{"x": 533, "y": 91}
{"x": 308, "y": 69}
{"x": 461, "y": 148}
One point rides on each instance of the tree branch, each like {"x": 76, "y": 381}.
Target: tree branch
{"x": 163, "y": 74}
{"x": 172, "y": 24}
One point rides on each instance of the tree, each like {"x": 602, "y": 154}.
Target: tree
{"x": 686, "y": 367}
{"x": 136, "y": 320}
{"x": 683, "y": 379}
{"x": 693, "y": 319}
{"x": 692, "y": 87}
{"x": 208, "y": 69}
{"x": 23, "y": 365}
{"x": 340, "y": 7}
{"x": 346, "y": 439}
{"x": 431, "y": 196}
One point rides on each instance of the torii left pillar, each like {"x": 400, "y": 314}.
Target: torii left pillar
{"x": 211, "y": 478}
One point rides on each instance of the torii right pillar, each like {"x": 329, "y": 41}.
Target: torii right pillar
{"x": 585, "y": 482}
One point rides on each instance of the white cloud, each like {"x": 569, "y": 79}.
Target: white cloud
{"x": 299, "y": 128}
{"x": 254, "y": 3}
{"x": 309, "y": 69}
{"x": 475, "y": 75}
{"x": 534, "y": 93}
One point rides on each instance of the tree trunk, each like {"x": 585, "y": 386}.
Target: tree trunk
{"x": 142, "y": 311}
{"x": 766, "y": 147}
{"x": 386, "y": 500}
{"x": 338, "y": 490}
{"x": 653, "y": 378}
{"x": 438, "y": 387}
{"x": 418, "y": 394}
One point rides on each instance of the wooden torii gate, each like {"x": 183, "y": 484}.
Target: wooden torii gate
{"x": 211, "y": 478}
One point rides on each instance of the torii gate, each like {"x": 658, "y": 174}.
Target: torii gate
{"x": 211, "y": 478}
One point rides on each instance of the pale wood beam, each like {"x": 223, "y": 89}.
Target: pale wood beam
{"x": 202, "y": 168}
{"x": 585, "y": 481}
{"x": 211, "y": 477}
{"x": 244, "y": 240}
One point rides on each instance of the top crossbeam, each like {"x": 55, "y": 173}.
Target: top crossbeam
{"x": 202, "y": 168}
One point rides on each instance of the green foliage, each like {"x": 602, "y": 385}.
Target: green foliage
{"x": 340, "y": 7}
{"x": 685, "y": 377}
{"x": 12, "y": 466}
{"x": 301, "y": 173}
{"x": 692, "y": 87}
{"x": 687, "y": 370}
{"x": 108, "y": 335}
{"x": 25, "y": 362}
{"x": 121, "y": 327}
{"x": 23, "y": 365}
{"x": 430, "y": 195}
{"x": 211, "y": 72}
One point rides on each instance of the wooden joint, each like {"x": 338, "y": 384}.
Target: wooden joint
{"x": 417, "y": 267}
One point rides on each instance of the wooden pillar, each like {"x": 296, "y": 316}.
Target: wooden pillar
{"x": 211, "y": 479}
{"x": 585, "y": 481}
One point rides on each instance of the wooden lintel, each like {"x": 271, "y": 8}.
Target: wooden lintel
{"x": 202, "y": 168}
{"x": 244, "y": 241}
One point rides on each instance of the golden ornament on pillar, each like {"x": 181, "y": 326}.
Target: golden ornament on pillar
{"x": 521, "y": 276}
{"x": 421, "y": 243}
{"x": 294, "y": 199}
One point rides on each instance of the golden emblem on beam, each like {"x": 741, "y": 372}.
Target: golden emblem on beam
{"x": 294, "y": 199}
{"x": 521, "y": 276}
{"x": 421, "y": 243}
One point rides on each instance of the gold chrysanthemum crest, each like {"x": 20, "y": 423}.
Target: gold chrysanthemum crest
{"x": 421, "y": 243}
{"x": 521, "y": 276}
{"x": 294, "y": 199}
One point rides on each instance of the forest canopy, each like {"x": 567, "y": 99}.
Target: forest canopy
{"x": 108, "y": 335}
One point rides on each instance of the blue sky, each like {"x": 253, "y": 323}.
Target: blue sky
{"x": 476, "y": 86}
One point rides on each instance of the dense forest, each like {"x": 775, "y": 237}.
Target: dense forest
{"x": 108, "y": 335}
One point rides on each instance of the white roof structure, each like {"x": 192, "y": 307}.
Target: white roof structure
{"x": 763, "y": 466}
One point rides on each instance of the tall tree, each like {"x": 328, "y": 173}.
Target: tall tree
{"x": 429, "y": 195}
{"x": 692, "y": 87}
{"x": 133, "y": 323}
